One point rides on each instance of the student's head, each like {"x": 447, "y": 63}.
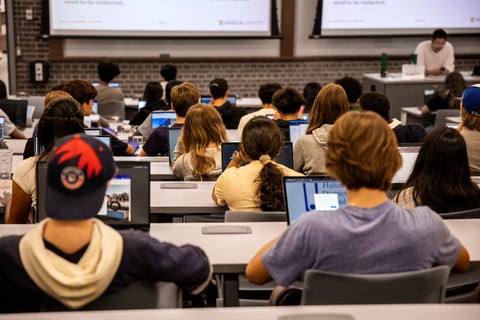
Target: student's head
{"x": 266, "y": 92}
{"x": 331, "y": 102}
{"x": 456, "y": 83}
{"x": 3, "y": 90}
{"x": 184, "y": 96}
{"x": 362, "y": 151}
{"x": 79, "y": 168}
{"x": 439, "y": 38}
{"x": 470, "y": 107}
{"x": 82, "y": 91}
{"x": 168, "y": 90}
{"x": 55, "y": 94}
{"x": 153, "y": 92}
{"x": 107, "y": 71}
{"x": 310, "y": 92}
{"x": 352, "y": 87}
{"x": 61, "y": 116}
{"x": 262, "y": 140}
{"x": 376, "y": 102}
{"x": 218, "y": 88}
{"x": 168, "y": 72}
{"x": 288, "y": 101}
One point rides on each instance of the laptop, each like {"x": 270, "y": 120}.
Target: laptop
{"x": 173, "y": 136}
{"x": 285, "y": 157}
{"x": 2, "y": 128}
{"x": 207, "y": 99}
{"x": 297, "y": 129}
{"x": 429, "y": 94}
{"x": 127, "y": 200}
{"x": 107, "y": 139}
{"x": 16, "y": 111}
{"x": 110, "y": 84}
{"x": 409, "y": 156}
{"x": 163, "y": 118}
{"x": 308, "y": 193}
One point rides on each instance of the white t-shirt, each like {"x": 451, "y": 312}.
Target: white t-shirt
{"x": 435, "y": 60}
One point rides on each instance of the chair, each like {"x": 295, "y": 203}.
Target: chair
{"x": 443, "y": 114}
{"x": 139, "y": 295}
{"x": 421, "y": 286}
{"x": 465, "y": 214}
{"x": 254, "y": 216}
{"x": 112, "y": 109}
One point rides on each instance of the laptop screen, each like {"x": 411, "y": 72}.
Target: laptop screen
{"x": 207, "y": 99}
{"x": 2, "y": 128}
{"x": 16, "y": 111}
{"x": 173, "y": 136}
{"x": 297, "y": 129}
{"x": 163, "y": 119}
{"x": 127, "y": 200}
{"x": 285, "y": 157}
{"x": 307, "y": 193}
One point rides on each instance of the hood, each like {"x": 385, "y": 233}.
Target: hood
{"x": 320, "y": 135}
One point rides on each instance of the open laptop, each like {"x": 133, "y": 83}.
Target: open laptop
{"x": 207, "y": 99}
{"x": 409, "y": 156}
{"x": 173, "y": 136}
{"x": 429, "y": 94}
{"x": 16, "y": 111}
{"x": 297, "y": 129}
{"x": 308, "y": 193}
{"x": 127, "y": 200}
{"x": 285, "y": 157}
{"x": 163, "y": 118}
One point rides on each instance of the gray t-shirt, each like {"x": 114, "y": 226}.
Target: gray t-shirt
{"x": 382, "y": 239}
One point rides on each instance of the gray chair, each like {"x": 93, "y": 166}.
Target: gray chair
{"x": 112, "y": 109}
{"x": 422, "y": 286}
{"x": 443, "y": 114}
{"x": 465, "y": 214}
{"x": 139, "y": 295}
{"x": 254, "y": 216}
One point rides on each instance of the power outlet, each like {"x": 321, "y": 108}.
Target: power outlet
{"x": 29, "y": 14}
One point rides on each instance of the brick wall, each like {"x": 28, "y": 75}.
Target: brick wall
{"x": 244, "y": 77}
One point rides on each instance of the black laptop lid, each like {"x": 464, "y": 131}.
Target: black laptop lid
{"x": 16, "y": 111}
{"x": 127, "y": 200}
{"x": 285, "y": 157}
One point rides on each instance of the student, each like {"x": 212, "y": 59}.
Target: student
{"x": 288, "y": 102}
{"x": 470, "y": 125}
{"x": 369, "y": 235}
{"x": 183, "y": 97}
{"x": 436, "y": 54}
{"x": 168, "y": 72}
{"x": 310, "y": 92}
{"x": 310, "y": 150}
{"x": 153, "y": 97}
{"x": 447, "y": 98}
{"x": 201, "y": 139}
{"x": 440, "y": 177}
{"x": 73, "y": 257}
{"x": 10, "y": 129}
{"x": 265, "y": 93}
{"x": 231, "y": 115}
{"x": 106, "y": 94}
{"x": 61, "y": 116}
{"x": 256, "y": 186}
{"x": 378, "y": 102}
{"x": 353, "y": 88}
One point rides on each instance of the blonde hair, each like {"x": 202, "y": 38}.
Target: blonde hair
{"x": 470, "y": 121}
{"x": 362, "y": 151}
{"x": 52, "y": 95}
{"x": 331, "y": 102}
{"x": 203, "y": 126}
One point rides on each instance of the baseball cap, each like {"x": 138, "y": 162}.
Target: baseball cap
{"x": 471, "y": 99}
{"x": 79, "y": 167}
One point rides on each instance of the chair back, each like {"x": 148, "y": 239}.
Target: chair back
{"x": 138, "y": 295}
{"x": 465, "y": 214}
{"x": 421, "y": 286}
{"x": 112, "y": 109}
{"x": 443, "y": 114}
{"x": 254, "y": 216}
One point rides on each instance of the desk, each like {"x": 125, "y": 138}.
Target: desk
{"x": 406, "y": 92}
{"x": 17, "y": 145}
{"x": 414, "y": 115}
{"x": 358, "y": 312}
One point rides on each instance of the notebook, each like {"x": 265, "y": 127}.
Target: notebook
{"x": 285, "y": 157}
{"x": 16, "y": 111}
{"x": 163, "y": 118}
{"x": 127, "y": 201}
{"x": 207, "y": 99}
{"x": 297, "y": 129}
{"x": 173, "y": 135}
{"x": 307, "y": 193}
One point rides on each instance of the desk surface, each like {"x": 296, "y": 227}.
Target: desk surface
{"x": 358, "y": 312}
{"x": 395, "y": 78}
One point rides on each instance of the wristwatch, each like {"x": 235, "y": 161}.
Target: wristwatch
{"x": 236, "y": 159}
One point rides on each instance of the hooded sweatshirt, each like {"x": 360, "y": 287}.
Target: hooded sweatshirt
{"x": 310, "y": 151}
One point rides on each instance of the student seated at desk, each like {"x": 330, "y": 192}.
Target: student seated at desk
{"x": 378, "y": 102}
{"x": 183, "y": 96}
{"x": 73, "y": 257}
{"x": 230, "y": 113}
{"x": 448, "y": 97}
{"x": 288, "y": 102}
{"x": 10, "y": 129}
{"x": 371, "y": 234}
{"x": 201, "y": 139}
{"x": 354, "y": 90}
{"x": 152, "y": 94}
{"x": 256, "y": 186}
{"x": 470, "y": 126}
{"x": 440, "y": 177}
